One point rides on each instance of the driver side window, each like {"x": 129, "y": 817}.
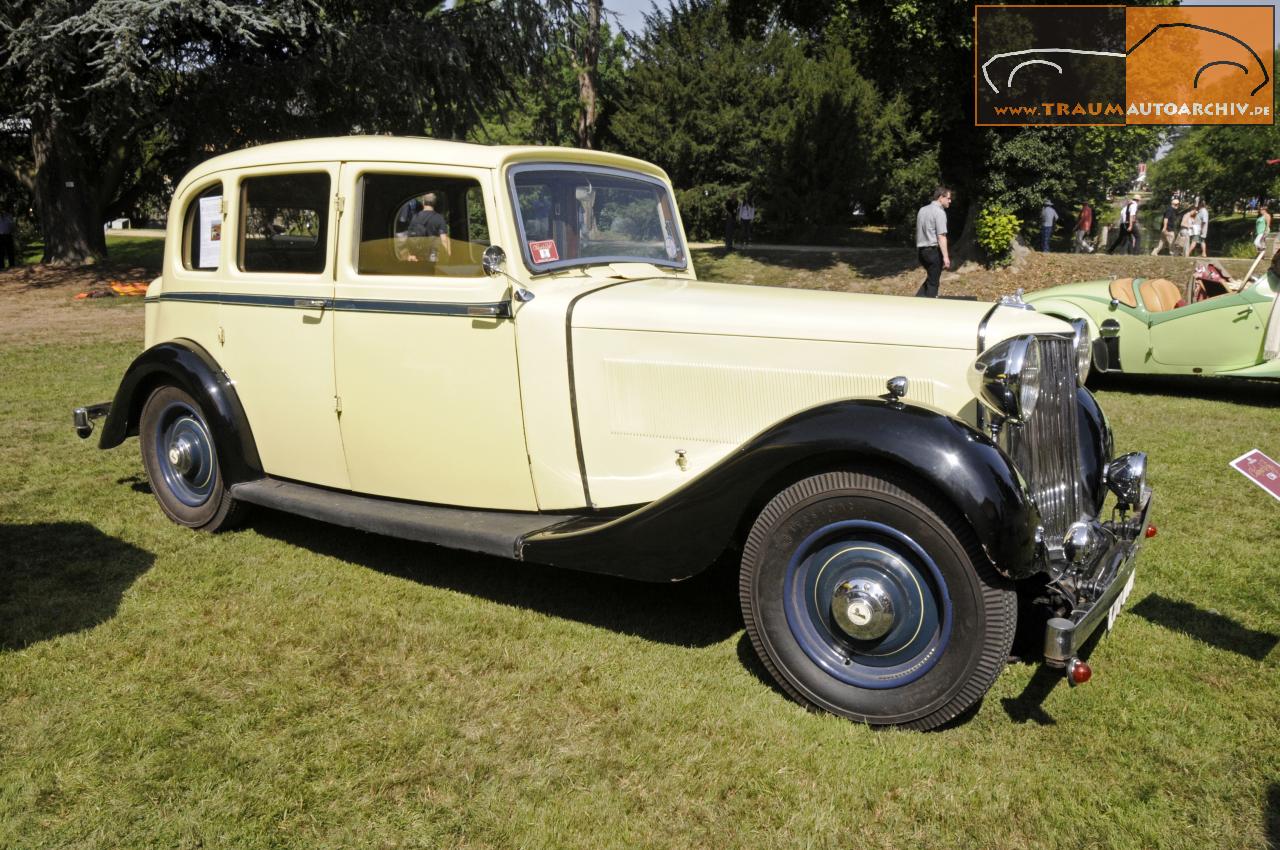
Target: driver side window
{"x": 421, "y": 225}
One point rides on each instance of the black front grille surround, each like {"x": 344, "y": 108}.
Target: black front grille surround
{"x": 1045, "y": 448}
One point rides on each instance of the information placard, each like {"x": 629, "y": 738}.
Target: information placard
{"x": 1261, "y": 470}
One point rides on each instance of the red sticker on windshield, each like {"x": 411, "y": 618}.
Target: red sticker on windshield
{"x": 544, "y": 252}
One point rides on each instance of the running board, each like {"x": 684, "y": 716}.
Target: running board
{"x": 488, "y": 532}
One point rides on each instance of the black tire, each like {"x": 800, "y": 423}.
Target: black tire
{"x": 188, "y": 485}
{"x": 868, "y": 540}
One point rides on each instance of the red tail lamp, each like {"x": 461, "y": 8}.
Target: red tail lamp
{"x": 1151, "y": 531}
{"x": 1078, "y": 672}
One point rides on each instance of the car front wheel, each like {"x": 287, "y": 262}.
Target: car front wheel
{"x": 181, "y": 461}
{"x": 871, "y": 599}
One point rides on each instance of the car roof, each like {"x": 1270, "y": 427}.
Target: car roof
{"x": 408, "y": 149}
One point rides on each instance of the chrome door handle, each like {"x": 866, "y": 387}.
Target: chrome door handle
{"x": 309, "y": 302}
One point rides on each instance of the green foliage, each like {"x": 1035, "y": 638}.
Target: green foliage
{"x": 792, "y": 120}
{"x": 996, "y": 229}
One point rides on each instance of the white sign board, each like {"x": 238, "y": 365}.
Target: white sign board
{"x": 210, "y": 231}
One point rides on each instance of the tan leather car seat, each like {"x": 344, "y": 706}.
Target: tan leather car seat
{"x": 1122, "y": 291}
{"x": 1159, "y": 295}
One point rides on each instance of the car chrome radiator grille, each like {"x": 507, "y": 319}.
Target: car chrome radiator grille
{"x": 1046, "y": 447}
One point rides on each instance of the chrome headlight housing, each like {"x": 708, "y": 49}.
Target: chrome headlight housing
{"x": 1006, "y": 377}
{"x": 1084, "y": 349}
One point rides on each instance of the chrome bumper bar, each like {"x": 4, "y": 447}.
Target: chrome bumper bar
{"x": 82, "y": 418}
{"x": 1064, "y": 636}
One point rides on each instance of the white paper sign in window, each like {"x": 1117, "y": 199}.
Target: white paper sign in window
{"x": 210, "y": 231}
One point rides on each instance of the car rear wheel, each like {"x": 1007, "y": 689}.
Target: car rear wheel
{"x": 181, "y": 460}
{"x": 874, "y": 602}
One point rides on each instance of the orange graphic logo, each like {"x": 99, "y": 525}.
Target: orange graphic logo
{"x": 1115, "y": 65}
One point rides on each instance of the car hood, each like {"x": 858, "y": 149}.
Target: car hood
{"x": 698, "y": 307}
{"x": 1089, "y": 288}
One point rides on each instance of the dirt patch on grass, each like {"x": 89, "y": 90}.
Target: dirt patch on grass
{"x": 38, "y": 305}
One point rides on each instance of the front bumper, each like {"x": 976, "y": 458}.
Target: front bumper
{"x": 1065, "y": 635}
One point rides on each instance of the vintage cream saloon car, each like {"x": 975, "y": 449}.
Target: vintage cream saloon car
{"x": 506, "y": 350}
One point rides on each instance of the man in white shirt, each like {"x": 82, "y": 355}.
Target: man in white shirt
{"x": 931, "y": 241}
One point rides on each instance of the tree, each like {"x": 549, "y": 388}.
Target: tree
{"x": 771, "y": 112}
{"x": 107, "y": 89}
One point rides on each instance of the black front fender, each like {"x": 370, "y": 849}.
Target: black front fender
{"x": 682, "y": 533}
{"x": 183, "y": 364}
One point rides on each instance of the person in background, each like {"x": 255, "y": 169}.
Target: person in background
{"x": 1261, "y": 227}
{"x": 1048, "y": 218}
{"x": 7, "y": 252}
{"x": 746, "y": 217}
{"x": 1202, "y": 229}
{"x": 730, "y": 221}
{"x": 931, "y": 241}
{"x": 1187, "y": 227}
{"x": 1084, "y": 226}
{"x": 1126, "y": 233}
{"x": 1169, "y": 223}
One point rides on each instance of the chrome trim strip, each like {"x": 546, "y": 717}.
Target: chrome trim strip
{"x": 496, "y": 309}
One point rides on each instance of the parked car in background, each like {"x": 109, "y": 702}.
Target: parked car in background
{"x": 1210, "y": 326}
{"x": 507, "y": 350}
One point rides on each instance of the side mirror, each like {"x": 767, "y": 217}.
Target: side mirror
{"x": 493, "y": 260}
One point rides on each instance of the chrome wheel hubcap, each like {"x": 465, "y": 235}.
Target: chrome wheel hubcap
{"x": 862, "y": 609}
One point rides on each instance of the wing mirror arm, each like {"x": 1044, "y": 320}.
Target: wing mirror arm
{"x": 494, "y": 262}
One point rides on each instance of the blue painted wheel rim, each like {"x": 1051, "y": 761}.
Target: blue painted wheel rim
{"x": 860, "y": 549}
{"x": 190, "y": 480}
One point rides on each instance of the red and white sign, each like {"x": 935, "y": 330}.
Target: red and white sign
{"x": 1261, "y": 470}
{"x": 544, "y": 252}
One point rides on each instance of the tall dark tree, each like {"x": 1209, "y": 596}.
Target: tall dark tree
{"x": 100, "y": 88}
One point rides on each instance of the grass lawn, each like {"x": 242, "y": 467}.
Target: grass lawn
{"x": 296, "y": 685}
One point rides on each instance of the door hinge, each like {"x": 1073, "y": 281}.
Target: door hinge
{"x": 339, "y": 202}
{"x": 222, "y": 205}
{"x": 222, "y": 336}
{"x": 337, "y": 404}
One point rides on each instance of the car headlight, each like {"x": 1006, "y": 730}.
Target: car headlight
{"x": 1084, "y": 349}
{"x": 1006, "y": 377}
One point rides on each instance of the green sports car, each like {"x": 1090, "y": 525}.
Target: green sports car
{"x": 1152, "y": 326}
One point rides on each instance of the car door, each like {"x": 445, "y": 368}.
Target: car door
{"x": 275, "y": 334}
{"x": 1210, "y": 336}
{"x": 424, "y": 341}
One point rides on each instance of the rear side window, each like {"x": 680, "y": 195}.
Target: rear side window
{"x": 202, "y": 230}
{"x": 421, "y": 225}
{"x": 284, "y": 223}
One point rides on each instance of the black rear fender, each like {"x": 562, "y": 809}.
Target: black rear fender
{"x": 184, "y": 364}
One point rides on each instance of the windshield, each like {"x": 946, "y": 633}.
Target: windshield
{"x": 577, "y": 215}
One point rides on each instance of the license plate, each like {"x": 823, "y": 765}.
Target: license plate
{"x": 1114, "y": 610}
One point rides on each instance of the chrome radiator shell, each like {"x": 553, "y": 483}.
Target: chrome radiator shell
{"x": 1046, "y": 447}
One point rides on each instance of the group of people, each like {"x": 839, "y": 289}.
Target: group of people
{"x": 1179, "y": 232}
{"x": 739, "y": 216}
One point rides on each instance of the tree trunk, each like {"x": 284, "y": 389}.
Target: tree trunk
{"x": 587, "y": 65}
{"x": 66, "y": 203}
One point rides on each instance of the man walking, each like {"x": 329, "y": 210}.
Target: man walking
{"x": 1048, "y": 218}
{"x": 746, "y": 218}
{"x": 1168, "y": 228}
{"x": 1126, "y": 234}
{"x": 931, "y": 241}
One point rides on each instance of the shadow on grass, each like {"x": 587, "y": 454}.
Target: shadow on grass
{"x": 1206, "y": 626}
{"x": 1273, "y": 816}
{"x": 700, "y": 611}
{"x": 1254, "y": 393}
{"x": 61, "y": 578}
